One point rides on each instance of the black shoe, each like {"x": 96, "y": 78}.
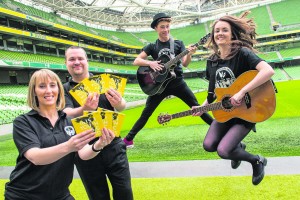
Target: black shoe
{"x": 259, "y": 170}
{"x": 236, "y": 163}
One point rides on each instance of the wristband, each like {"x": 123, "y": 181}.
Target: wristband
{"x": 95, "y": 150}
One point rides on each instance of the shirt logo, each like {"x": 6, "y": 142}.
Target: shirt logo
{"x": 224, "y": 77}
{"x": 165, "y": 52}
{"x": 70, "y": 130}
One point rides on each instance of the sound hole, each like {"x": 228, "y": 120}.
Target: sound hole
{"x": 226, "y": 103}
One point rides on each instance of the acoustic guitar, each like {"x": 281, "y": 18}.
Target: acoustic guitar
{"x": 154, "y": 82}
{"x": 257, "y": 105}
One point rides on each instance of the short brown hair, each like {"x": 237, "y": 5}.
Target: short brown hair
{"x": 75, "y": 47}
{"x": 164, "y": 20}
{"x": 43, "y": 74}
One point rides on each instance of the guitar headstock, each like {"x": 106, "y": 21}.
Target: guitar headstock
{"x": 203, "y": 40}
{"x": 164, "y": 118}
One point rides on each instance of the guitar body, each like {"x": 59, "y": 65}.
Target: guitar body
{"x": 256, "y": 106}
{"x": 259, "y": 107}
{"x": 152, "y": 82}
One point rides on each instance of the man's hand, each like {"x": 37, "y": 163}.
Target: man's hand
{"x": 105, "y": 139}
{"x": 114, "y": 97}
{"x": 92, "y": 101}
{"x": 192, "y": 49}
{"x": 155, "y": 65}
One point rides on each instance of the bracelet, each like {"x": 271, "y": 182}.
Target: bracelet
{"x": 95, "y": 150}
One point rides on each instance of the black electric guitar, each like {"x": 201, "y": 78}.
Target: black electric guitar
{"x": 152, "y": 82}
{"x": 257, "y": 105}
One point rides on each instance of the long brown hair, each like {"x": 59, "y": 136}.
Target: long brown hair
{"x": 243, "y": 34}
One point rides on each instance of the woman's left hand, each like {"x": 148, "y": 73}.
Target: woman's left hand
{"x": 196, "y": 113}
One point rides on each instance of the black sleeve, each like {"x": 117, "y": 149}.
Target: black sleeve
{"x": 24, "y": 136}
{"x": 251, "y": 59}
{"x": 207, "y": 71}
{"x": 148, "y": 49}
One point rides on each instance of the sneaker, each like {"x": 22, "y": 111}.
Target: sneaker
{"x": 259, "y": 170}
{"x": 129, "y": 144}
{"x": 236, "y": 163}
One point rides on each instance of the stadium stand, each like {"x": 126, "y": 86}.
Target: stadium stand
{"x": 116, "y": 36}
{"x": 289, "y": 20}
{"x": 290, "y": 52}
{"x": 39, "y": 58}
{"x": 293, "y": 72}
{"x": 12, "y": 102}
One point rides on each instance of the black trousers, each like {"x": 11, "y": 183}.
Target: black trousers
{"x": 181, "y": 91}
{"x": 111, "y": 163}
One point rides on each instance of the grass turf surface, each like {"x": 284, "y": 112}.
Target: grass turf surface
{"x": 194, "y": 188}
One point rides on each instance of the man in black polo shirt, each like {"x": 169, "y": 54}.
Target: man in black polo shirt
{"x": 112, "y": 160}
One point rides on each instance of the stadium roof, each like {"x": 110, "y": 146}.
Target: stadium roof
{"x": 129, "y": 13}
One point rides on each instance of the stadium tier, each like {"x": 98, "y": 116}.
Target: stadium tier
{"x": 288, "y": 19}
{"x": 39, "y": 58}
{"x": 193, "y": 66}
{"x": 267, "y": 15}
{"x": 292, "y": 72}
{"x": 290, "y": 52}
{"x": 12, "y": 102}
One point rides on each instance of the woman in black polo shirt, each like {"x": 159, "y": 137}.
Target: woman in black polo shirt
{"x": 46, "y": 142}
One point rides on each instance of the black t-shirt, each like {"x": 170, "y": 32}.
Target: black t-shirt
{"x": 160, "y": 49}
{"x": 225, "y": 72}
{"x": 36, "y": 182}
{"x": 222, "y": 73}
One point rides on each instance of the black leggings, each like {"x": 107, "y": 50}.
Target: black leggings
{"x": 182, "y": 91}
{"x": 225, "y": 138}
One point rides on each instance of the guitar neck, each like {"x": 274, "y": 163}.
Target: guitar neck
{"x": 185, "y": 52}
{"x": 176, "y": 59}
{"x": 210, "y": 107}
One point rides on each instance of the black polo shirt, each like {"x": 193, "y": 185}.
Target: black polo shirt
{"x": 72, "y": 103}
{"x": 29, "y": 181}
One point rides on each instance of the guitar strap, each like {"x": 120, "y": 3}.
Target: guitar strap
{"x": 275, "y": 88}
{"x": 172, "y": 48}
